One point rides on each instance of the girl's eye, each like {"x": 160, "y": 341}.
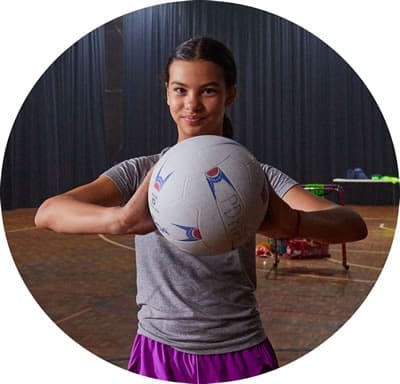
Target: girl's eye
{"x": 179, "y": 91}
{"x": 209, "y": 91}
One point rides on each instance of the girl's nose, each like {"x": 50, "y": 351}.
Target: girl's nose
{"x": 192, "y": 102}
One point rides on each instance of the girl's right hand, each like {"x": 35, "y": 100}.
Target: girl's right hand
{"x": 135, "y": 216}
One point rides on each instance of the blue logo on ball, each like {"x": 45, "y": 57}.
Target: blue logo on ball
{"x": 192, "y": 233}
{"x": 160, "y": 181}
{"x": 214, "y": 176}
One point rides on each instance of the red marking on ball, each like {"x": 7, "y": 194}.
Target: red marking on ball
{"x": 213, "y": 172}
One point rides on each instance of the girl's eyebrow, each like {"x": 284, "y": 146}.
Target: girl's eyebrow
{"x": 210, "y": 84}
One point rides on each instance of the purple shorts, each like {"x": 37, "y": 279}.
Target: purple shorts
{"x": 153, "y": 359}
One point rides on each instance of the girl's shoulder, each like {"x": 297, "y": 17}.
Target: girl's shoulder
{"x": 140, "y": 164}
{"x": 279, "y": 180}
{"x": 128, "y": 174}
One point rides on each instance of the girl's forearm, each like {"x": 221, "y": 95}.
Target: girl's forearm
{"x": 310, "y": 217}
{"x": 74, "y": 212}
{"x": 335, "y": 225}
{"x": 65, "y": 214}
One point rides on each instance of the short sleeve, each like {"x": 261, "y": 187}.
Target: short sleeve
{"x": 279, "y": 181}
{"x": 128, "y": 174}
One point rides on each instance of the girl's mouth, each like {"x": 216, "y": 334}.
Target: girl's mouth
{"x": 192, "y": 119}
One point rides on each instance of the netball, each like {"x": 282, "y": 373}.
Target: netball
{"x": 208, "y": 195}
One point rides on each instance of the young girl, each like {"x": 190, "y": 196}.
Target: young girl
{"x": 197, "y": 320}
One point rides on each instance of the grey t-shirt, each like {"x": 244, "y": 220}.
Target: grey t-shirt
{"x": 196, "y": 304}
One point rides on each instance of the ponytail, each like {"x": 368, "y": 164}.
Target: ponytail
{"x": 227, "y": 128}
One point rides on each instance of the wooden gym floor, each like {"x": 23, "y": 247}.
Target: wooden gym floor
{"x": 86, "y": 285}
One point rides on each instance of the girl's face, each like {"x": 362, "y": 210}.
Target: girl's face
{"x": 197, "y": 97}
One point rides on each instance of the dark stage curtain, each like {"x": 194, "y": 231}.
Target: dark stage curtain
{"x": 300, "y": 106}
{"x": 58, "y": 139}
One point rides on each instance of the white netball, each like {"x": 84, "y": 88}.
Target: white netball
{"x": 208, "y": 195}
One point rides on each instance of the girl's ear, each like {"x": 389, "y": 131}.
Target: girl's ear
{"x": 230, "y": 96}
{"x": 167, "y": 92}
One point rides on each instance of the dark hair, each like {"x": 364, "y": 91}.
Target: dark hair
{"x": 207, "y": 48}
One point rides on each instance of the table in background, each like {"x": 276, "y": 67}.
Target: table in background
{"x": 369, "y": 192}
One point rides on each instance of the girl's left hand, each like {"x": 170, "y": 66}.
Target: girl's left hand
{"x": 281, "y": 220}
